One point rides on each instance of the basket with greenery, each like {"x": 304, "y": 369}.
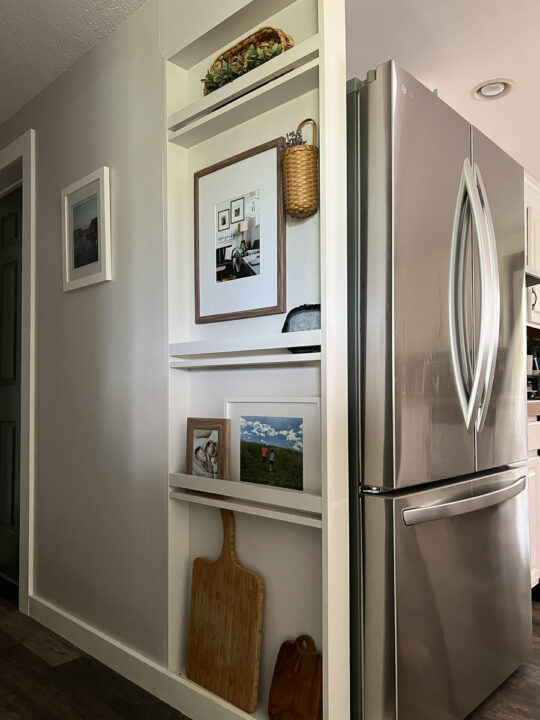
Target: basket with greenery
{"x": 254, "y": 50}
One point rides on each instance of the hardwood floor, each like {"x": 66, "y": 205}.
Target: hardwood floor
{"x": 519, "y": 697}
{"x": 42, "y": 677}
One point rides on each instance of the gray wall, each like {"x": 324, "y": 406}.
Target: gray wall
{"x": 101, "y": 465}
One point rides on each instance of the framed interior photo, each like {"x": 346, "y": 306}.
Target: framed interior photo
{"x": 240, "y": 236}
{"x": 237, "y": 210}
{"x": 207, "y": 451}
{"x": 276, "y": 441}
{"x": 86, "y": 231}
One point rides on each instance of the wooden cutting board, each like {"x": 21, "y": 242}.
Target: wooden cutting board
{"x": 225, "y": 623}
{"x": 296, "y": 691}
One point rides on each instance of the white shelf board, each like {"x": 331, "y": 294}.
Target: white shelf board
{"x": 246, "y": 361}
{"x": 532, "y": 277}
{"x": 289, "y": 60}
{"x": 535, "y": 326}
{"x": 265, "y": 98}
{"x": 232, "y": 27}
{"x": 246, "y": 343}
{"x": 250, "y": 492}
{"x": 268, "y": 511}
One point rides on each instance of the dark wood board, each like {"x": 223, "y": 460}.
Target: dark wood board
{"x": 296, "y": 691}
{"x": 225, "y": 624}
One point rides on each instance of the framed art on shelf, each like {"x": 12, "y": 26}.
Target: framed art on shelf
{"x": 240, "y": 236}
{"x": 276, "y": 441}
{"x": 86, "y": 231}
{"x": 207, "y": 451}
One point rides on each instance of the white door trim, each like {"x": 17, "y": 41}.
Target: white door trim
{"x": 24, "y": 149}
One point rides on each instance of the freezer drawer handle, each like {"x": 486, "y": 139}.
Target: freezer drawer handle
{"x": 413, "y": 516}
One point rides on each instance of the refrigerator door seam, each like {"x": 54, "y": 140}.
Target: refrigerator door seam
{"x": 495, "y": 316}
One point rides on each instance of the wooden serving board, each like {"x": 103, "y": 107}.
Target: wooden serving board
{"x": 296, "y": 691}
{"x": 225, "y": 623}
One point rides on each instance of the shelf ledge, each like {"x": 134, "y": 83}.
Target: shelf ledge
{"x": 232, "y": 27}
{"x": 246, "y": 343}
{"x": 242, "y": 506}
{"x": 290, "y": 60}
{"x": 246, "y": 361}
{"x": 274, "y": 93}
{"x": 305, "y": 502}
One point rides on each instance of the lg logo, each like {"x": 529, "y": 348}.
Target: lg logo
{"x": 405, "y": 91}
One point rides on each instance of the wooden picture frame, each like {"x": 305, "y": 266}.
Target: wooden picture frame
{"x": 202, "y": 432}
{"x": 252, "y": 253}
{"x": 86, "y": 231}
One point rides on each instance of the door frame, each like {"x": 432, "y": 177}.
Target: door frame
{"x": 24, "y": 150}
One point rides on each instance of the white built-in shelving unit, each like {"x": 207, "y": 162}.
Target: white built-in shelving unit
{"x": 297, "y": 541}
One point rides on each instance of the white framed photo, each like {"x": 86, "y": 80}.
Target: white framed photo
{"x": 86, "y": 231}
{"x": 240, "y": 236}
{"x": 276, "y": 441}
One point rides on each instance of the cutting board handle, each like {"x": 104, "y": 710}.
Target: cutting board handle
{"x": 228, "y": 553}
{"x": 305, "y": 643}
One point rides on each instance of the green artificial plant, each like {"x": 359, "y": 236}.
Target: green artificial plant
{"x": 239, "y": 65}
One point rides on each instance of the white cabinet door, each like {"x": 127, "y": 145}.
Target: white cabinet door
{"x": 533, "y": 305}
{"x": 534, "y": 510}
{"x": 532, "y": 259}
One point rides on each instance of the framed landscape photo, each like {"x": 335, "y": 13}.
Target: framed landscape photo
{"x": 240, "y": 236}
{"x": 276, "y": 441}
{"x": 207, "y": 451}
{"x": 86, "y": 231}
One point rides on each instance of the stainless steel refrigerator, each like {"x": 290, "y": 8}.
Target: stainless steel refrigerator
{"x": 441, "y": 610}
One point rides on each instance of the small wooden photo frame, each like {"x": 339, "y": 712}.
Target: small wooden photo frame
{"x": 207, "y": 447}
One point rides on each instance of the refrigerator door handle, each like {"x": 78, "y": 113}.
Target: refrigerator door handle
{"x": 469, "y": 204}
{"x": 414, "y": 516}
{"x": 495, "y": 316}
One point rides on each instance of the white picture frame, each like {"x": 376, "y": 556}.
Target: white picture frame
{"x": 306, "y": 408}
{"x": 86, "y": 231}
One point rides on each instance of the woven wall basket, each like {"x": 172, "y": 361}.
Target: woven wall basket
{"x": 264, "y": 37}
{"x": 301, "y": 177}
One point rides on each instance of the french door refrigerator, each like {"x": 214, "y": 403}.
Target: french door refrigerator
{"x": 441, "y": 610}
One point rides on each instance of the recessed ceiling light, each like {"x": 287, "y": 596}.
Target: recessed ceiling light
{"x": 492, "y": 89}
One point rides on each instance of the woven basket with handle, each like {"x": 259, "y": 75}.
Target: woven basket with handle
{"x": 265, "y": 37}
{"x": 300, "y": 165}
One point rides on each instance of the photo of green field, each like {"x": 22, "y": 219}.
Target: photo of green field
{"x": 271, "y": 451}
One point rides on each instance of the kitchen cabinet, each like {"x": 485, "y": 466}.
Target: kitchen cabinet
{"x": 534, "y": 510}
{"x": 532, "y": 244}
{"x": 533, "y": 463}
{"x": 533, "y": 306}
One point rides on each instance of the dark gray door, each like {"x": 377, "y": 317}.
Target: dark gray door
{"x": 10, "y": 381}
{"x": 502, "y": 439}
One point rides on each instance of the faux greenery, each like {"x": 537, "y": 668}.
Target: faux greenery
{"x": 239, "y": 65}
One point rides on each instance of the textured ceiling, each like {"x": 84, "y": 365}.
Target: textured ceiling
{"x": 453, "y": 46}
{"x": 39, "y": 39}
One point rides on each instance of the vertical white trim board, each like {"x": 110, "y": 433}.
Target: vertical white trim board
{"x": 24, "y": 148}
{"x": 333, "y": 219}
{"x": 179, "y": 692}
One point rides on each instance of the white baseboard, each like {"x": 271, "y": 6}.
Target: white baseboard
{"x": 176, "y": 690}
